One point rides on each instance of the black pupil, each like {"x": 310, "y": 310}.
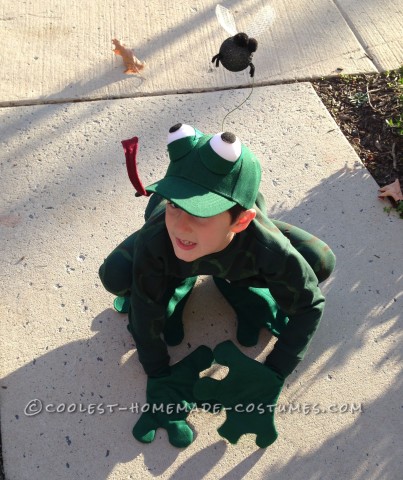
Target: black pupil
{"x": 175, "y": 128}
{"x": 228, "y": 137}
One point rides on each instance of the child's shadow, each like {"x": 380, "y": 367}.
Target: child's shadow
{"x": 86, "y": 381}
{"x": 93, "y": 390}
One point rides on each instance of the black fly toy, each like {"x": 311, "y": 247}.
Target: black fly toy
{"x": 236, "y": 52}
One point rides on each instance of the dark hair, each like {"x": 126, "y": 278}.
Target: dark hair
{"x": 235, "y": 211}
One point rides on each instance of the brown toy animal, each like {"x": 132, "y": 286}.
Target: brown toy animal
{"x": 132, "y": 64}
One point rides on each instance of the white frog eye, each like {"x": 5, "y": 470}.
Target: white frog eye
{"x": 227, "y": 146}
{"x": 178, "y": 131}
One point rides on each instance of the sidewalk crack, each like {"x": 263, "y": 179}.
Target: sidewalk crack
{"x": 358, "y": 36}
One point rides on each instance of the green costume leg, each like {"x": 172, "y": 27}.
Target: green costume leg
{"x": 316, "y": 252}
{"x": 116, "y": 273}
{"x": 255, "y": 307}
{"x": 173, "y": 330}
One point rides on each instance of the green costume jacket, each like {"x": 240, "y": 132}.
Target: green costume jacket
{"x": 145, "y": 267}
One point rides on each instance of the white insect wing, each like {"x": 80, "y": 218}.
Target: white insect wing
{"x": 226, "y": 19}
{"x": 261, "y": 21}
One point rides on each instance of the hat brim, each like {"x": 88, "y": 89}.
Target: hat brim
{"x": 194, "y": 199}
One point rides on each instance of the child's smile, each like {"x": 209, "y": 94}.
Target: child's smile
{"x": 185, "y": 244}
{"x": 194, "y": 237}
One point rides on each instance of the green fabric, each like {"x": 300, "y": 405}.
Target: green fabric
{"x": 122, "y": 304}
{"x": 203, "y": 183}
{"x": 255, "y": 308}
{"x": 183, "y": 146}
{"x": 116, "y": 273}
{"x": 314, "y": 250}
{"x": 173, "y": 330}
{"x": 267, "y": 255}
{"x": 175, "y": 392}
{"x": 248, "y": 393}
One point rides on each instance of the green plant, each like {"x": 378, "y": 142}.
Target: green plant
{"x": 359, "y": 99}
{"x": 396, "y": 84}
{"x": 398, "y": 208}
{"x": 396, "y": 123}
{"x": 396, "y": 76}
{"x": 347, "y": 78}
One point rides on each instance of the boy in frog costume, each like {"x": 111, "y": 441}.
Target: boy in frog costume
{"x": 207, "y": 217}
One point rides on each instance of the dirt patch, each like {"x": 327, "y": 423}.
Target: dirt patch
{"x": 369, "y": 112}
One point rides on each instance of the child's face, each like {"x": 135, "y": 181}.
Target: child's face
{"x": 194, "y": 237}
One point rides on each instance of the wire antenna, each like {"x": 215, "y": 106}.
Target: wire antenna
{"x": 240, "y": 105}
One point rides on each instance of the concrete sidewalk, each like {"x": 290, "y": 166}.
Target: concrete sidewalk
{"x": 67, "y": 201}
{"x": 57, "y": 51}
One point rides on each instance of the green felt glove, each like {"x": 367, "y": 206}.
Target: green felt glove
{"x": 171, "y": 397}
{"x": 121, "y": 304}
{"x": 248, "y": 393}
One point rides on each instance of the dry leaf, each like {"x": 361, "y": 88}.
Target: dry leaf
{"x": 132, "y": 64}
{"x": 392, "y": 190}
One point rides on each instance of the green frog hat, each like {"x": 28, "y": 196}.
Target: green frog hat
{"x": 208, "y": 174}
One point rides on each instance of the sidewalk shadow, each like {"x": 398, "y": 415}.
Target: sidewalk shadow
{"x": 83, "y": 384}
{"x": 368, "y": 449}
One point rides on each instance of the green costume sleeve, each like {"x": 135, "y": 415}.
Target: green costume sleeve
{"x": 154, "y": 294}
{"x": 294, "y": 286}
{"x": 137, "y": 272}
{"x": 295, "y": 289}
{"x": 150, "y": 295}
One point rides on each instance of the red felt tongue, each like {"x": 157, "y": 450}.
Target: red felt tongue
{"x": 130, "y": 147}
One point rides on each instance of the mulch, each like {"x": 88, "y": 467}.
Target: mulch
{"x": 362, "y": 106}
